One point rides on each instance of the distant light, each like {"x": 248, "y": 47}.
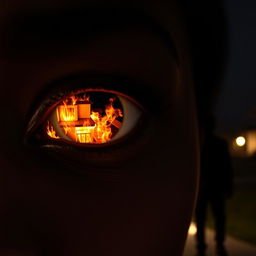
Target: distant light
{"x": 192, "y": 229}
{"x": 240, "y": 141}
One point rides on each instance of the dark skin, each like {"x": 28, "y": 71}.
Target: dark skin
{"x": 133, "y": 198}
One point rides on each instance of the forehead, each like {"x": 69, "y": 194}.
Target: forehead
{"x": 19, "y": 18}
{"x": 164, "y": 12}
{"x": 17, "y": 5}
{"x": 68, "y": 26}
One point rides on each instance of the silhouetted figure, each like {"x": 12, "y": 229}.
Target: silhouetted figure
{"x": 215, "y": 188}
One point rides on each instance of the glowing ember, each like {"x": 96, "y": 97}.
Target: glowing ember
{"x": 82, "y": 124}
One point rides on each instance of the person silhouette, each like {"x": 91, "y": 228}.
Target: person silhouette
{"x": 216, "y": 185}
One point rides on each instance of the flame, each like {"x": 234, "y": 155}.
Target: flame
{"x": 86, "y": 126}
{"x": 73, "y": 99}
{"x": 51, "y": 132}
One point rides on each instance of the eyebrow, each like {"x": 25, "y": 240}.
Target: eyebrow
{"x": 40, "y": 32}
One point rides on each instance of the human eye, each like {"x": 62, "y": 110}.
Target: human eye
{"x": 92, "y": 117}
{"x": 83, "y": 121}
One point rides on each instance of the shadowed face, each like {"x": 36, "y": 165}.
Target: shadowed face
{"x": 133, "y": 196}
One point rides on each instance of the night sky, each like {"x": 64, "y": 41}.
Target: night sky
{"x": 237, "y": 101}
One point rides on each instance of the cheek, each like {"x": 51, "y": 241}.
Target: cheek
{"x": 126, "y": 218}
{"x": 144, "y": 213}
{"x": 140, "y": 218}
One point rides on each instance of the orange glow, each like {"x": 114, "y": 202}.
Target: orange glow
{"x": 81, "y": 124}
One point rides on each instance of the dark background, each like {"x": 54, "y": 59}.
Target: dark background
{"x": 236, "y": 106}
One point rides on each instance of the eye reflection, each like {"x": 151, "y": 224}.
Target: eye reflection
{"x": 93, "y": 117}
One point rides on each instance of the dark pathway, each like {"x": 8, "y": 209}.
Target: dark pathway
{"x": 235, "y": 247}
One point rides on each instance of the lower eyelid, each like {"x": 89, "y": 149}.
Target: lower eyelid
{"x": 84, "y": 160}
{"x": 113, "y": 156}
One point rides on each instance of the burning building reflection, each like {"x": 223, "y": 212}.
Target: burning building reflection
{"x": 87, "y": 120}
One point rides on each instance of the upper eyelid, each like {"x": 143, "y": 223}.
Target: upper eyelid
{"x": 57, "y": 90}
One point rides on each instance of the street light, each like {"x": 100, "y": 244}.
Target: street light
{"x": 240, "y": 141}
